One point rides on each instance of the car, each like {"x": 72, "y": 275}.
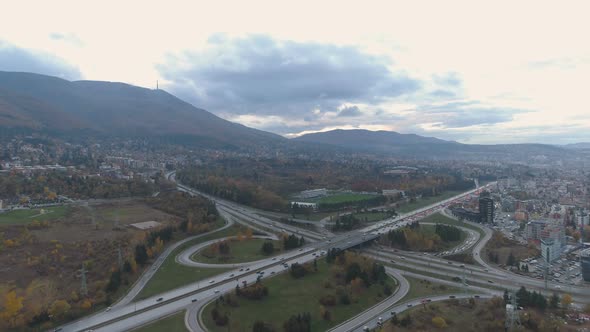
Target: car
{"x": 274, "y": 258}
{"x": 194, "y": 300}
{"x": 476, "y": 296}
{"x": 108, "y": 309}
{"x": 242, "y": 269}
{"x": 216, "y": 291}
{"x": 451, "y": 296}
{"x": 231, "y": 275}
{"x": 491, "y": 282}
{"x": 159, "y": 299}
{"x": 273, "y": 272}
{"x": 247, "y": 269}
{"x": 393, "y": 313}
{"x": 212, "y": 281}
{"x": 409, "y": 305}
{"x": 450, "y": 263}
{"x": 558, "y": 287}
{"x": 392, "y": 261}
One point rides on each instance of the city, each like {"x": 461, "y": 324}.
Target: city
{"x": 294, "y": 167}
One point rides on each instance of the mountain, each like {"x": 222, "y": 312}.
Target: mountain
{"x": 578, "y": 146}
{"x": 49, "y": 104}
{"x": 416, "y": 146}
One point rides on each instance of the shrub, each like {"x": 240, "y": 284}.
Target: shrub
{"x": 439, "y": 322}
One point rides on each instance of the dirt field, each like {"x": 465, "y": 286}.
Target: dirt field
{"x": 50, "y": 253}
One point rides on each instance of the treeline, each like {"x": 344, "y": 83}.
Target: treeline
{"x": 238, "y": 190}
{"x": 72, "y": 185}
{"x": 448, "y": 233}
{"x": 184, "y": 205}
{"x": 292, "y": 241}
{"x": 412, "y": 237}
{"x": 346, "y": 223}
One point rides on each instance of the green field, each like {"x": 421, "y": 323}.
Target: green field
{"x": 173, "y": 275}
{"x": 425, "y": 201}
{"x": 174, "y": 323}
{"x": 371, "y": 216}
{"x": 420, "y": 288}
{"x": 241, "y": 251}
{"x": 17, "y": 217}
{"x": 442, "y": 219}
{"x": 345, "y": 198}
{"x": 287, "y": 297}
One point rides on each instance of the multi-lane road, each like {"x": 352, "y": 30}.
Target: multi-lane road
{"x": 126, "y": 315}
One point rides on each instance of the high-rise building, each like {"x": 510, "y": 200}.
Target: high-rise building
{"x": 486, "y": 210}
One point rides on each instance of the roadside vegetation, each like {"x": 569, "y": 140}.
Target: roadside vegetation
{"x": 313, "y": 296}
{"x": 428, "y": 238}
{"x": 538, "y": 314}
{"x": 422, "y": 288}
{"x": 42, "y": 260}
{"x": 506, "y": 252}
{"x": 242, "y": 248}
{"x": 174, "y": 323}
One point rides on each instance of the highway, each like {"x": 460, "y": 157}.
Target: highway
{"x": 125, "y": 315}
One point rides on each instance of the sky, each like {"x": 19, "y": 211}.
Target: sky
{"x": 471, "y": 71}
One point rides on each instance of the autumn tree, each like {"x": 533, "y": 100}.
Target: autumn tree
{"x": 439, "y": 322}
{"x": 12, "y": 307}
{"x": 59, "y": 308}
{"x": 566, "y": 301}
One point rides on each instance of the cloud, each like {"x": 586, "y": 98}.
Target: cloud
{"x": 448, "y": 79}
{"x": 67, "y": 37}
{"x": 350, "y": 111}
{"x": 467, "y": 113}
{"x": 261, "y": 75}
{"x": 13, "y": 58}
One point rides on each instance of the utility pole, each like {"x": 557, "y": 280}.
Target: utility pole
{"x": 83, "y": 286}
{"x": 512, "y": 316}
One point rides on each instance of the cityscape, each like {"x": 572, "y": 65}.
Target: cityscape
{"x": 265, "y": 167}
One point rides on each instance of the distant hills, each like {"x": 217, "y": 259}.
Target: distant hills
{"x": 415, "y": 146}
{"x": 53, "y": 105}
{"x": 38, "y": 103}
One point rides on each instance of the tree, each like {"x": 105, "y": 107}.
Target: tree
{"x": 141, "y": 255}
{"x": 59, "y": 308}
{"x": 439, "y": 322}
{"x": 268, "y": 248}
{"x": 566, "y": 300}
{"x": 12, "y": 306}
{"x": 554, "y": 301}
{"x": 511, "y": 260}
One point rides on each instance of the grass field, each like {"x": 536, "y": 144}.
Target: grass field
{"x": 420, "y": 288}
{"x": 174, "y": 323}
{"x": 344, "y": 198}
{"x": 442, "y": 219}
{"x": 241, "y": 251}
{"x": 173, "y": 275}
{"x": 425, "y": 201}
{"x": 287, "y": 297}
{"x": 371, "y": 216}
{"x": 16, "y": 217}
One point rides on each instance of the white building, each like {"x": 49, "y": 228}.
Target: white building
{"x": 313, "y": 193}
{"x": 550, "y": 249}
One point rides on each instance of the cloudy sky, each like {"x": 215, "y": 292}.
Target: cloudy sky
{"x": 471, "y": 71}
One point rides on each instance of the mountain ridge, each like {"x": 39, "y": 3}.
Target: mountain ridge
{"x": 114, "y": 108}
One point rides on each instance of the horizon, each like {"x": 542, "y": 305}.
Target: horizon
{"x": 471, "y": 80}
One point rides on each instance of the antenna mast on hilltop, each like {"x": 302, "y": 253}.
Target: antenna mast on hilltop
{"x": 157, "y": 86}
